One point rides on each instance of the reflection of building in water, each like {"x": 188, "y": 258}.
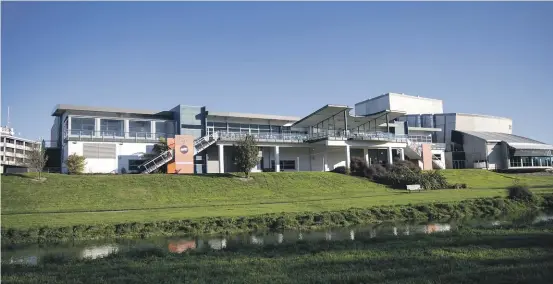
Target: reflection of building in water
{"x": 328, "y": 236}
{"x": 352, "y": 235}
{"x": 27, "y": 260}
{"x": 280, "y": 238}
{"x": 181, "y": 246}
{"x": 407, "y": 230}
{"x": 395, "y": 231}
{"x": 543, "y": 218}
{"x": 433, "y": 228}
{"x": 372, "y": 233}
{"x": 99, "y": 251}
{"x": 217, "y": 243}
{"x": 300, "y": 236}
{"x": 256, "y": 241}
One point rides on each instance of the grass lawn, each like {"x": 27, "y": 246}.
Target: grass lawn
{"x": 64, "y": 200}
{"x": 511, "y": 255}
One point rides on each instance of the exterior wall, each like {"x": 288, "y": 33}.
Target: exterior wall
{"x": 475, "y": 149}
{"x": 426, "y": 157}
{"x": 495, "y": 156}
{"x": 468, "y": 122}
{"x": 447, "y": 123}
{"x": 124, "y": 153}
{"x": 212, "y": 157}
{"x": 372, "y": 105}
{"x": 415, "y": 105}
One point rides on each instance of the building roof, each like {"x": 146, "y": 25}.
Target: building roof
{"x": 514, "y": 141}
{"x": 61, "y": 108}
{"x": 397, "y": 94}
{"x": 329, "y": 111}
{"x": 253, "y": 116}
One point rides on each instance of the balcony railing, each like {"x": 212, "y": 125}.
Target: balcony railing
{"x": 114, "y": 136}
{"x": 264, "y": 137}
{"x": 370, "y": 136}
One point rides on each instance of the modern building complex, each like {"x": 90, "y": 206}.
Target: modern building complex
{"x": 13, "y": 151}
{"x": 382, "y": 129}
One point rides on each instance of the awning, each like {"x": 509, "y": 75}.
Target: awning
{"x": 334, "y": 115}
{"x": 531, "y": 149}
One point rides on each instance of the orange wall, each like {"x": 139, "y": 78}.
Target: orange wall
{"x": 184, "y": 154}
{"x": 427, "y": 156}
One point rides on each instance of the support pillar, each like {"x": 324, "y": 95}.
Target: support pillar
{"x": 325, "y": 161}
{"x": 277, "y": 159}
{"x": 221, "y": 159}
{"x": 348, "y": 159}
{"x": 126, "y": 128}
{"x": 402, "y": 154}
{"x": 366, "y": 155}
{"x": 97, "y": 127}
{"x": 390, "y": 160}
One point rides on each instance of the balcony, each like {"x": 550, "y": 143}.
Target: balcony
{"x": 264, "y": 137}
{"x": 114, "y": 136}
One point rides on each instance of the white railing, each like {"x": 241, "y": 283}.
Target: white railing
{"x": 157, "y": 162}
{"x": 115, "y": 136}
{"x": 202, "y": 143}
{"x": 264, "y": 137}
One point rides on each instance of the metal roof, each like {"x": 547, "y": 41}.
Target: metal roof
{"x": 327, "y": 112}
{"x": 253, "y": 116}
{"x": 514, "y": 141}
{"x": 61, "y": 108}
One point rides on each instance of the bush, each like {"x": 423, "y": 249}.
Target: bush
{"x": 341, "y": 170}
{"x": 358, "y": 166}
{"x": 75, "y": 164}
{"x": 520, "y": 193}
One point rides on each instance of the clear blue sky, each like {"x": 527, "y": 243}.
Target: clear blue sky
{"x": 277, "y": 58}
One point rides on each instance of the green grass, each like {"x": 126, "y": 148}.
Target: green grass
{"x": 509, "y": 255}
{"x": 64, "y": 200}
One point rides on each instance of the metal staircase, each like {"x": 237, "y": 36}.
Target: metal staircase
{"x": 437, "y": 163}
{"x": 202, "y": 143}
{"x": 157, "y": 162}
{"x": 414, "y": 151}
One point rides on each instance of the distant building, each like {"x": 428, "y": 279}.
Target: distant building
{"x": 382, "y": 129}
{"x": 13, "y": 151}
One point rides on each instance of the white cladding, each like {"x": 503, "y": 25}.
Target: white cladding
{"x": 470, "y": 122}
{"x": 399, "y": 102}
{"x": 123, "y": 153}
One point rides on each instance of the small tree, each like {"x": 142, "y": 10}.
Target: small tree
{"x": 37, "y": 158}
{"x": 75, "y": 164}
{"x": 246, "y": 154}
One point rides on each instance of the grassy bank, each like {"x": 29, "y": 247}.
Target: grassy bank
{"x": 505, "y": 255}
{"x": 64, "y": 200}
{"x": 283, "y": 220}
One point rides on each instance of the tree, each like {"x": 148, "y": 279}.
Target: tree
{"x": 75, "y": 164}
{"x": 37, "y": 158}
{"x": 246, "y": 154}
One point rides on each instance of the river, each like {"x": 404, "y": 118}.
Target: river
{"x": 32, "y": 254}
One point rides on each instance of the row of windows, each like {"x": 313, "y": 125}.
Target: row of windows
{"x": 531, "y": 162}
{"x": 285, "y": 164}
{"x": 87, "y": 125}
{"x": 12, "y": 159}
{"x": 17, "y": 142}
{"x": 251, "y": 128}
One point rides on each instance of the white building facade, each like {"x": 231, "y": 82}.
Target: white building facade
{"x": 381, "y": 130}
{"x": 14, "y": 150}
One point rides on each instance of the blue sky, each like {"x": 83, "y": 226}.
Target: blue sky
{"x": 281, "y": 58}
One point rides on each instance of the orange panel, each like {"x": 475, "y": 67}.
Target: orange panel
{"x": 171, "y": 166}
{"x": 426, "y": 157}
{"x": 184, "y": 154}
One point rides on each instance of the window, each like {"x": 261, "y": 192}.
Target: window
{"x": 19, "y": 160}
{"x": 515, "y": 162}
{"x": 19, "y": 143}
{"x": 140, "y": 129}
{"x": 19, "y": 151}
{"x": 134, "y": 164}
{"x": 9, "y": 140}
{"x": 458, "y": 164}
{"x": 9, "y": 149}
{"x": 285, "y": 164}
{"x": 111, "y": 127}
{"x": 526, "y": 162}
{"x": 82, "y": 125}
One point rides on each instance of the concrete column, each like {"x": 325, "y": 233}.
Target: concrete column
{"x": 390, "y": 160}
{"x": 325, "y": 161}
{"x": 402, "y": 154}
{"x": 532, "y": 161}
{"x": 366, "y": 155}
{"x": 97, "y": 127}
{"x": 221, "y": 159}
{"x": 126, "y": 128}
{"x": 347, "y": 157}
{"x": 152, "y": 130}
{"x": 277, "y": 159}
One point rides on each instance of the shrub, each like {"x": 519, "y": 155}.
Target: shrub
{"x": 340, "y": 170}
{"x": 358, "y": 166}
{"x": 375, "y": 170}
{"x": 75, "y": 164}
{"x": 246, "y": 154}
{"x": 520, "y": 193}
{"x": 123, "y": 171}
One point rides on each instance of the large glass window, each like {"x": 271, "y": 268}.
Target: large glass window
{"x": 82, "y": 125}
{"x": 140, "y": 128}
{"x": 264, "y": 129}
{"x": 285, "y": 164}
{"x": 515, "y": 162}
{"x": 526, "y": 162}
{"x": 134, "y": 164}
{"x": 111, "y": 127}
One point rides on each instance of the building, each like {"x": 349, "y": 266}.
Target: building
{"x": 383, "y": 129}
{"x": 13, "y": 151}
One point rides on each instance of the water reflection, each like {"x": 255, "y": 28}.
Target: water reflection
{"x": 32, "y": 254}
